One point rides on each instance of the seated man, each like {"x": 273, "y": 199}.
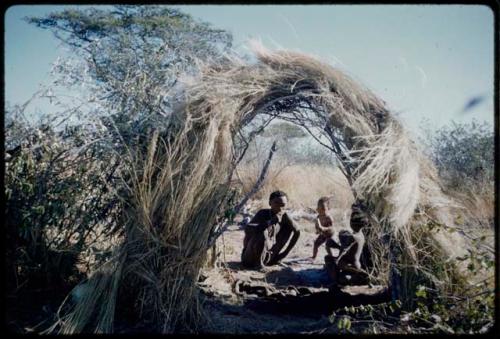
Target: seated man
{"x": 346, "y": 268}
{"x": 267, "y": 233}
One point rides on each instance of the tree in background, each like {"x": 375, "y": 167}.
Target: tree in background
{"x": 463, "y": 152}
{"x": 132, "y": 57}
{"x": 64, "y": 184}
{"x": 295, "y": 147}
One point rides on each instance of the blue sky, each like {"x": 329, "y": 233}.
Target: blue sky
{"x": 425, "y": 61}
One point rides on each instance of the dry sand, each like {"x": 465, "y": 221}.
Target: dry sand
{"x": 243, "y": 300}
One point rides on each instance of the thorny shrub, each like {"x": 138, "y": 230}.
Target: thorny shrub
{"x": 59, "y": 207}
{"x": 65, "y": 189}
{"x": 463, "y": 151}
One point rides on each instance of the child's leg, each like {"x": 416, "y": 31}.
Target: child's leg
{"x": 317, "y": 243}
{"x": 330, "y": 243}
{"x": 331, "y": 268}
{"x": 328, "y": 249}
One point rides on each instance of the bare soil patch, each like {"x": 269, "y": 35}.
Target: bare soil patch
{"x": 292, "y": 297}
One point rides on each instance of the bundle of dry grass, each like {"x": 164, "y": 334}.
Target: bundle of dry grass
{"x": 178, "y": 185}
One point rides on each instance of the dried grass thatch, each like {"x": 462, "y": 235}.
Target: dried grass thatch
{"x": 179, "y": 183}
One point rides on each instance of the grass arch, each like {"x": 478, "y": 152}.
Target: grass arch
{"x": 179, "y": 184}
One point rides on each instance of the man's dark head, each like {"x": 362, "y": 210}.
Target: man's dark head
{"x": 277, "y": 201}
{"x": 277, "y": 194}
{"x": 345, "y": 238}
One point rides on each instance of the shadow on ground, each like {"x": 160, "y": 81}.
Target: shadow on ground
{"x": 315, "y": 304}
{"x": 309, "y": 277}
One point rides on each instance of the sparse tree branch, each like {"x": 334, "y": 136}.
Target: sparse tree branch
{"x": 220, "y": 228}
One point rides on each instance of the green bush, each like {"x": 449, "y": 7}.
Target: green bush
{"x": 463, "y": 152}
{"x": 57, "y": 203}
{"x": 65, "y": 187}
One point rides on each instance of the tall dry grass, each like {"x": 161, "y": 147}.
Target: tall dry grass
{"x": 478, "y": 202}
{"x": 178, "y": 184}
{"x": 304, "y": 185}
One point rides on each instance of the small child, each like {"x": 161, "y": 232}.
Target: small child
{"x": 323, "y": 224}
{"x": 346, "y": 268}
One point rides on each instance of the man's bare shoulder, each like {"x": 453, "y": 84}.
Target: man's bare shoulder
{"x": 286, "y": 220}
{"x": 261, "y": 215}
{"x": 359, "y": 236}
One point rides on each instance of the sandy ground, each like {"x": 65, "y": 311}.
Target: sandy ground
{"x": 285, "y": 298}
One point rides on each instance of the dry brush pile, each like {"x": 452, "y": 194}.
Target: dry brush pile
{"x": 179, "y": 187}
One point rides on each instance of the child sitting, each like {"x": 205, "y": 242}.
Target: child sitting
{"x": 346, "y": 268}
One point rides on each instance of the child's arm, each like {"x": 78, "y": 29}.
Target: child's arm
{"x": 330, "y": 243}
{"x": 317, "y": 226}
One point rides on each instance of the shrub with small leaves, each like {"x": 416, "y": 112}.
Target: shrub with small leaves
{"x": 464, "y": 153}
{"x": 58, "y": 203}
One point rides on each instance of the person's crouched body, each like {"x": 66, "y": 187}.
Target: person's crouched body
{"x": 267, "y": 233}
{"x": 346, "y": 268}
